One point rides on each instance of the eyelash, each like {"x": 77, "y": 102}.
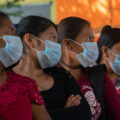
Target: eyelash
{"x": 52, "y": 37}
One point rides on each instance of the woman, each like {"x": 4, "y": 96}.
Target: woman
{"x": 60, "y": 93}
{"x": 78, "y": 53}
{"x": 109, "y": 44}
{"x": 19, "y": 96}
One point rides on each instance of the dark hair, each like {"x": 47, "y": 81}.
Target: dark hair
{"x": 33, "y": 25}
{"x": 70, "y": 27}
{"x": 3, "y": 15}
{"x": 109, "y": 37}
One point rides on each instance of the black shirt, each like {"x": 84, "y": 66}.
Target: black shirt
{"x": 55, "y": 97}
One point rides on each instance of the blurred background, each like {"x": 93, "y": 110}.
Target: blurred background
{"x": 97, "y": 12}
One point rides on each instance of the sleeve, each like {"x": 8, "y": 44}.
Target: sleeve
{"x": 111, "y": 99}
{"x": 80, "y": 112}
{"x": 34, "y": 93}
{"x": 71, "y": 86}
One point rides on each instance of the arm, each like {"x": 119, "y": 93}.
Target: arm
{"x": 39, "y": 112}
{"x": 111, "y": 99}
{"x": 73, "y": 100}
{"x": 80, "y": 112}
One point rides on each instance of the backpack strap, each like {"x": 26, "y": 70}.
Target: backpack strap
{"x": 96, "y": 75}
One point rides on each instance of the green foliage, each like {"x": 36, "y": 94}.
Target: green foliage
{"x": 10, "y": 4}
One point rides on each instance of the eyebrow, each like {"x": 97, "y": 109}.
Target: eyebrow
{"x": 51, "y": 33}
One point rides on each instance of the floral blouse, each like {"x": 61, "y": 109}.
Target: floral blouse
{"x": 16, "y": 96}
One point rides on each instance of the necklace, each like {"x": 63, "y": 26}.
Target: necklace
{"x": 72, "y": 67}
{"x": 40, "y": 87}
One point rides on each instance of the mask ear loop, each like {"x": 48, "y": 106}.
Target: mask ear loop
{"x": 76, "y": 43}
{"x": 29, "y": 45}
{"x": 39, "y": 39}
{"x": 4, "y": 41}
{"x": 113, "y": 53}
{"x": 70, "y": 50}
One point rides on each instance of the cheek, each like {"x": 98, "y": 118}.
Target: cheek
{"x": 6, "y": 32}
{"x": 40, "y": 46}
{"x": 56, "y": 39}
{"x": 2, "y": 31}
{"x": 112, "y": 58}
{"x": 2, "y": 43}
{"x": 77, "y": 49}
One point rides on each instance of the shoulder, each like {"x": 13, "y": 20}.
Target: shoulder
{"x": 16, "y": 78}
{"x": 98, "y": 68}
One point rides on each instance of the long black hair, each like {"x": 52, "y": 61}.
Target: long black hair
{"x": 109, "y": 37}
{"x": 70, "y": 27}
{"x": 34, "y": 25}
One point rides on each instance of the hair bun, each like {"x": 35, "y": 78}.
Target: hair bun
{"x": 106, "y": 29}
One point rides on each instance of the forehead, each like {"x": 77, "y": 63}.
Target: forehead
{"x": 116, "y": 47}
{"x": 50, "y": 31}
{"x": 86, "y": 32}
{"x": 6, "y": 22}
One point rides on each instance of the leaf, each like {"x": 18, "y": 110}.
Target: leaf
{"x": 10, "y": 4}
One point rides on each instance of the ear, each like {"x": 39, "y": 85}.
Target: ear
{"x": 105, "y": 52}
{"x": 66, "y": 44}
{"x": 28, "y": 39}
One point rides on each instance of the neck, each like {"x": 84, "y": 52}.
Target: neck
{"x": 75, "y": 70}
{"x": 112, "y": 75}
{"x": 28, "y": 65}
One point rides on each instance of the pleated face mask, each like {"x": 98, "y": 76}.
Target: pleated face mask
{"x": 12, "y": 52}
{"x": 89, "y": 55}
{"x": 116, "y": 64}
{"x": 50, "y": 56}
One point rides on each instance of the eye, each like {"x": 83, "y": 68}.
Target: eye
{"x": 52, "y": 38}
{"x": 90, "y": 39}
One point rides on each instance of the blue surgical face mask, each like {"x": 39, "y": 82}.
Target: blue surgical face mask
{"x": 89, "y": 55}
{"x": 116, "y": 64}
{"x": 12, "y": 52}
{"x": 50, "y": 56}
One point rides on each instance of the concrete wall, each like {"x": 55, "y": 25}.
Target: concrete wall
{"x": 33, "y": 9}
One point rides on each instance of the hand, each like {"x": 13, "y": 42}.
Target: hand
{"x": 73, "y": 100}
